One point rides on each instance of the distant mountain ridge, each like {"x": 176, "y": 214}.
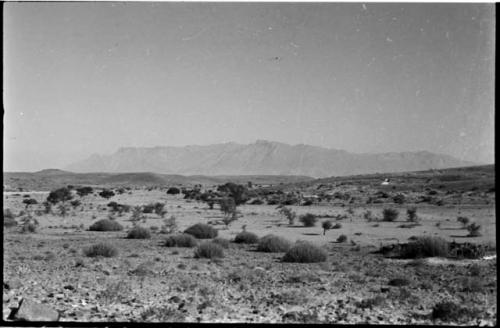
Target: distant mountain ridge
{"x": 260, "y": 158}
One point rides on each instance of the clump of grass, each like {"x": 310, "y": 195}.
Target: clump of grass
{"x": 308, "y": 220}
{"x": 304, "y": 252}
{"x": 180, "y": 240}
{"x": 390, "y": 214}
{"x": 209, "y": 250}
{"x": 246, "y": 237}
{"x": 342, "y": 239}
{"x": 139, "y": 232}
{"x": 224, "y": 243}
{"x": 100, "y": 249}
{"x": 426, "y": 246}
{"x": 273, "y": 244}
{"x": 202, "y": 231}
{"x": 106, "y": 225}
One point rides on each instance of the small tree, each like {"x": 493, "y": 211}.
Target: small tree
{"x": 136, "y": 214}
{"x": 464, "y": 220}
{"x": 289, "y": 214}
{"x": 159, "y": 209}
{"x": 411, "y": 212}
{"x": 228, "y": 207}
{"x": 61, "y": 195}
{"x": 390, "y": 214}
{"x": 28, "y": 202}
{"x": 327, "y": 225}
{"x": 473, "y": 229}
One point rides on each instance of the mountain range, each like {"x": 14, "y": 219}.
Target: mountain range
{"x": 261, "y": 158}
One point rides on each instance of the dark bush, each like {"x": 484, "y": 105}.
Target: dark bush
{"x": 246, "y": 237}
{"x": 304, "y": 252}
{"x": 273, "y": 244}
{"x": 326, "y": 225}
{"x": 106, "y": 225}
{"x": 209, "y": 250}
{"x": 412, "y": 214}
{"x": 83, "y": 191}
{"x": 390, "y": 214}
{"x": 59, "y": 195}
{"x": 342, "y": 239}
{"x": 308, "y": 219}
{"x": 202, "y": 231}
{"x": 139, "y": 233}
{"x": 337, "y": 226}
{"x": 173, "y": 191}
{"x": 180, "y": 240}
{"x": 100, "y": 249}
{"x": 426, "y": 246}
{"x": 464, "y": 220}
{"x": 473, "y": 229}
{"x": 449, "y": 311}
{"x": 106, "y": 194}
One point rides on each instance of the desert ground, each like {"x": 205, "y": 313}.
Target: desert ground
{"x": 149, "y": 282}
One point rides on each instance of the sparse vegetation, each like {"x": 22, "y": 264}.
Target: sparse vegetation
{"x": 426, "y": 246}
{"x": 304, "y": 252}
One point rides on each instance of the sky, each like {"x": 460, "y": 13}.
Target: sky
{"x": 85, "y": 78}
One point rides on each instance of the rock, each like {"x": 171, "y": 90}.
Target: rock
{"x": 31, "y": 311}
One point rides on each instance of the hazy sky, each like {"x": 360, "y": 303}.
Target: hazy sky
{"x": 83, "y": 78}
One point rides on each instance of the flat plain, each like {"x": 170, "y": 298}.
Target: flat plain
{"x": 149, "y": 282}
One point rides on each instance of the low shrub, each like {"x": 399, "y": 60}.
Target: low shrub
{"x": 273, "y": 244}
{"x": 390, "y": 214}
{"x": 209, "y": 250}
{"x": 308, "y": 219}
{"x": 139, "y": 233}
{"x": 202, "y": 231}
{"x": 464, "y": 220}
{"x": 180, "y": 240}
{"x": 100, "y": 249}
{"x": 222, "y": 242}
{"x": 106, "y": 225}
{"x": 246, "y": 237}
{"x": 426, "y": 246}
{"x": 399, "y": 281}
{"x": 337, "y": 226}
{"x": 304, "y": 252}
{"x": 342, "y": 239}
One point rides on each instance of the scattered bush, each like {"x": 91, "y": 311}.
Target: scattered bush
{"x": 202, "y": 231}
{"x": 246, "y": 237}
{"x": 426, "y": 246}
{"x": 106, "y": 225}
{"x": 308, "y": 219}
{"x": 100, "y": 249}
{"x": 139, "y": 233}
{"x": 304, "y": 252}
{"x": 342, "y": 239}
{"x": 180, "y": 240}
{"x": 273, "y": 244}
{"x": 209, "y": 250}
{"x": 473, "y": 229}
{"x": 390, "y": 214}
{"x": 106, "y": 194}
